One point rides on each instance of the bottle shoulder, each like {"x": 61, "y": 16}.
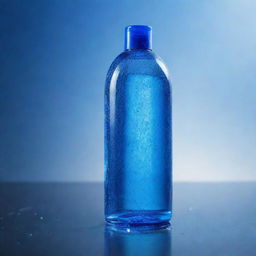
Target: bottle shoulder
{"x": 144, "y": 62}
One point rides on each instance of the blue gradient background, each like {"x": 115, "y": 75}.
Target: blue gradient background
{"x": 54, "y": 58}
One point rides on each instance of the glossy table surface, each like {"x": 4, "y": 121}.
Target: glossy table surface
{"x": 67, "y": 219}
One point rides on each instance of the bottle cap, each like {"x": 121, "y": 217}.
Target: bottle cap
{"x": 138, "y": 37}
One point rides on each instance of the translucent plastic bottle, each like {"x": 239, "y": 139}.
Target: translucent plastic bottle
{"x": 138, "y": 139}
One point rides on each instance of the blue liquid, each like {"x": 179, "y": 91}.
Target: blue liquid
{"x": 138, "y": 156}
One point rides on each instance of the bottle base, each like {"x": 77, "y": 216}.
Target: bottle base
{"x": 151, "y": 219}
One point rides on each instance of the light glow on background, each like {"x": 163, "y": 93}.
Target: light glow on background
{"x": 54, "y": 59}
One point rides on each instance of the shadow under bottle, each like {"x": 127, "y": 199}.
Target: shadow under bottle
{"x": 130, "y": 243}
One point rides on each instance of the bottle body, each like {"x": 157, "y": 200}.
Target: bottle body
{"x": 138, "y": 152}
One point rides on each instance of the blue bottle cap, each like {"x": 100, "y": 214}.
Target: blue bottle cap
{"x": 138, "y": 37}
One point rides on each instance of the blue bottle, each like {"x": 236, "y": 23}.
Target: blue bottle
{"x": 138, "y": 139}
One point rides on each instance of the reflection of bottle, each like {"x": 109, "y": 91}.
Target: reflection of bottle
{"x": 138, "y": 134}
{"x": 145, "y": 244}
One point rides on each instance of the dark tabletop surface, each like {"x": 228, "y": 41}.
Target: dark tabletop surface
{"x": 67, "y": 219}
